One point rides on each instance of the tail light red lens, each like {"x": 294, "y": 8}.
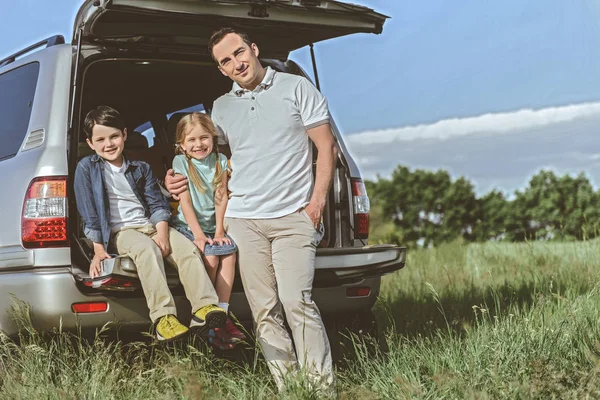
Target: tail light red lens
{"x": 363, "y": 291}
{"x": 362, "y": 206}
{"x": 44, "y": 219}
{"x": 361, "y": 226}
{"x": 92, "y": 307}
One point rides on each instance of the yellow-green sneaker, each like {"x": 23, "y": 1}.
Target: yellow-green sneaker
{"x": 169, "y": 329}
{"x": 207, "y": 318}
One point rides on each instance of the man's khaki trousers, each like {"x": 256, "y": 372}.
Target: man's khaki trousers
{"x": 277, "y": 267}
{"x": 137, "y": 243}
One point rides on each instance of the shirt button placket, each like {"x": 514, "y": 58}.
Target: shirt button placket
{"x": 252, "y": 107}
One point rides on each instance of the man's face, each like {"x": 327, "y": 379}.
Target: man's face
{"x": 108, "y": 143}
{"x": 238, "y": 61}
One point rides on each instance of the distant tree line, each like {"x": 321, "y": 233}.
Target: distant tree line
{"x": 427, "y": 208}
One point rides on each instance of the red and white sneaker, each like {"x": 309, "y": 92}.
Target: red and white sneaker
{"x": 216, "y": 339}
{"x": 230, "y": 333}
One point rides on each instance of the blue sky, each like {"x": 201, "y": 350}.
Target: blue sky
{"x": 439, "y": 61}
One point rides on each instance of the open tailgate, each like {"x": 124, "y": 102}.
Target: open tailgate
{"x": 278, "y": 27}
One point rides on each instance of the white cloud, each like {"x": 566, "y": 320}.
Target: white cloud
{"x": 498, "y": 150}
{"x": 499, "y": 123}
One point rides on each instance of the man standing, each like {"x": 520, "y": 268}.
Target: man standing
{"x": 269, "y": 120}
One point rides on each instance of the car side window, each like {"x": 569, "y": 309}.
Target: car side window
{"x": 17, "y": 88}
{"x": 147, "y": 131}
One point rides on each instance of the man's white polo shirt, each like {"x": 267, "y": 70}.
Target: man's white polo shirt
{"x": 271, "y": 153}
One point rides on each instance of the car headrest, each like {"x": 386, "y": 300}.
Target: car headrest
{"x": 172, "y": 124}
{"x": 136, "y": 141}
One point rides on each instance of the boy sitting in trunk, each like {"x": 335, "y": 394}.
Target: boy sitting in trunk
{"x": 121, "y": 204}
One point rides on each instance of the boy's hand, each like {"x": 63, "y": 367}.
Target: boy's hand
{"x": 201, "y": 242}
{"x": 220, "y": 239}
{"x": 95, "y": 267}
{"x": 175, "y": 183}
{"x": 162, "y": 241}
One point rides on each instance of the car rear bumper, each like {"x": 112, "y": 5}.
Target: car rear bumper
{"x": 50, "y": 293}
{"x": 338, "y": 266}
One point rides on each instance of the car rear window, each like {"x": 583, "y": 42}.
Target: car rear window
{"x": 17, "y": 88}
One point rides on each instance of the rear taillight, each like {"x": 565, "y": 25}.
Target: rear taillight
{"x": 363, "y": 291}
{"x": 90, "y": 307}
{"x": 361, "y": 209}
{"x": 44, "y": 219}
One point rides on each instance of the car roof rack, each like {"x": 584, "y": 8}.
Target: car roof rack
{"x": 49, "y": 42}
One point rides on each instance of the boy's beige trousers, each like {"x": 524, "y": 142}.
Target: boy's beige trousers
{"x": 137, "y": 243}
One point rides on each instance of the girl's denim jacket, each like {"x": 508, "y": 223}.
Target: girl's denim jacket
{"x": 92, "y": 198}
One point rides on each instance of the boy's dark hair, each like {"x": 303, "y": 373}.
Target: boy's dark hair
{"x": 102, "y": 115}
{"x": 220, "y": 34}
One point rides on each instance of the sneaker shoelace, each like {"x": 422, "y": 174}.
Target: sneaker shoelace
{"x": 170, "y": 322}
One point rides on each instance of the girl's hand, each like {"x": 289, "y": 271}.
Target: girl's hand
{"x": 220, "y": 239}
{"x": 201, "y": 242}
{"x": 95, "y": 267}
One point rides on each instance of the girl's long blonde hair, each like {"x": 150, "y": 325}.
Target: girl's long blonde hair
{"x": 184, "y": 127}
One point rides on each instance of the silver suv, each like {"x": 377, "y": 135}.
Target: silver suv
{"x": 148, "y": 59}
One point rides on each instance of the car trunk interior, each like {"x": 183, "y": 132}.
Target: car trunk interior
{"x": 151, "y": 95}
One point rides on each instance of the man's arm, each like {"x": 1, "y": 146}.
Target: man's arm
{"x": 175, "y": 183}
{"x": 313, "y": 109}
{"x": 324, "y": 141}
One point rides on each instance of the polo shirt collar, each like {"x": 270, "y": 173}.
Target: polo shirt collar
{"x": 266, "y": 82}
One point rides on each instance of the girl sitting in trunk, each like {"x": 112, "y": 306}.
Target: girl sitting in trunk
{"x": 202, "y": 210}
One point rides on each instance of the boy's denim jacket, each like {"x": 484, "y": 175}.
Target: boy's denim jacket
{"x": 92, "y": 198}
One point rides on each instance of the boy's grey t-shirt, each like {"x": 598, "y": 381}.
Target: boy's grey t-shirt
{"x": 271, "y": 153}
{"x": 204, "y": 204}
{"x": 125, "y": 208}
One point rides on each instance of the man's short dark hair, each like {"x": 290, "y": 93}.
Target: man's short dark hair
{"x": 102, "y": 115}
{"x": 220, "y": 34}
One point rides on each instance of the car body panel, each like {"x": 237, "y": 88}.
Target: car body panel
{"x": 50, "y": 295}
{"x": 50, "y": 110}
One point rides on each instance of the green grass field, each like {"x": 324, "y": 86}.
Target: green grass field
{"x": 514, "y": 321}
